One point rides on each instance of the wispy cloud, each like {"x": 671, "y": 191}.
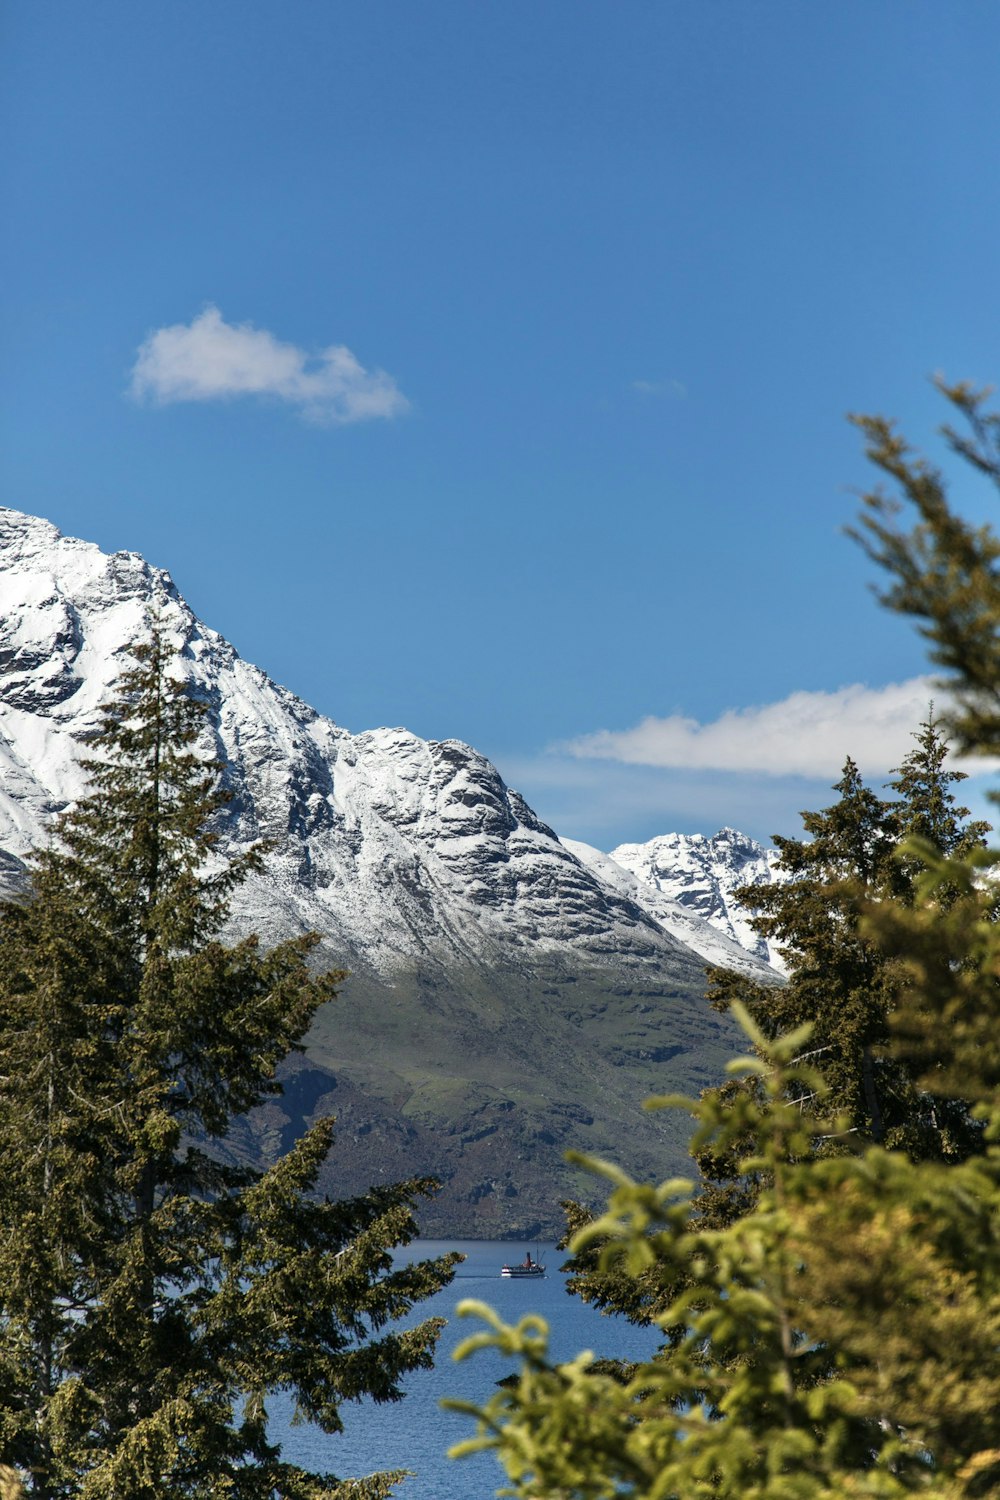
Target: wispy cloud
{"x": 606, "y": 804}
{"x": 672, "y": 388}
{"x": 805, "y": 734}
{"x": 209, "y": 359}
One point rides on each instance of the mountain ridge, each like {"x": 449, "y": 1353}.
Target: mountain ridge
{"x": 497, "y": 977}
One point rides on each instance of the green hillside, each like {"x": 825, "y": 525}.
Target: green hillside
{"x": 484, "y": 1078}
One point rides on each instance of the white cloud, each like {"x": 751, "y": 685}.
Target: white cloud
{"x": 607, "y": 803}
{"x": 209, "y": 359}
{"x": 805, "y": 734}
{"x": 675, "y": 388}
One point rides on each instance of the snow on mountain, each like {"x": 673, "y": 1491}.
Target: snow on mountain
{"x": 715, "y": 936}
{"x": 699, "y": 876}
{"x": 393, "y": 847}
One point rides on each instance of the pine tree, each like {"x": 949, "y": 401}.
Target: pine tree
{"x": 945, "y": 574}
{"x": 151, "y": 1294}
{"x": 841, "y": 983}
{"x": 837, "y": 981}
{"x": 926, "y": 807}
{"x": 842, "y": 1337}
{"x": 862, "y": 856}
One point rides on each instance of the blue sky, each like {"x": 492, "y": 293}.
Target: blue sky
{"x": 484, "y": 368}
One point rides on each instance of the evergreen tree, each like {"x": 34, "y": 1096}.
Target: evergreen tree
{"x": 840, "y": 1339}
{"x": 837, "y": 981}
{"x": 945, "y": 574}
{"x": 863, "y": 854}
{"x": 860, "y": 855}
{"x": 152, "y": 1295}
{"x": 926, "y": 808}
{"x": 842, "y": 1336}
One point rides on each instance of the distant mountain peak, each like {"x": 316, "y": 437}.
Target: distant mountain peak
{"x": 701, "y": 874}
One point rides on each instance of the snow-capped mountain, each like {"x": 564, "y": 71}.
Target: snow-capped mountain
{"x": 505, "y": 988}
{"x": 699, "y": 876}
{"x": 705, "y": 915}
{"x": 393, "y": 847}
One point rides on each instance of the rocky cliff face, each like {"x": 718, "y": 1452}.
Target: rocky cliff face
{"x": 693, "y": 901}
{"x": 392, "y": 846}
{"x": 504, "y": 990}
{"x": 700, "y": 875}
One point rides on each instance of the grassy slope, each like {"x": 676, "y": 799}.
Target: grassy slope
{"x": 485, "y": 1078}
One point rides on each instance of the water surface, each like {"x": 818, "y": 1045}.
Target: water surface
{"x": 415, "y": 1433}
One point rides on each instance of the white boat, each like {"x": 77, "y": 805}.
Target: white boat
{"x": 524, "y": 1269}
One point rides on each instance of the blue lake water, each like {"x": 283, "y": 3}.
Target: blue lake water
{"x": 415, "y": 1433}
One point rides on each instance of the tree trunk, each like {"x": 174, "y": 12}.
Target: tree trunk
{"x": 871, "y": 1097}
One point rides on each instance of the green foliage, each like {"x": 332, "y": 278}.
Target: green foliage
{"x": 837, "y": 980}
{"x": 944, "y": 571}
{"x": 152, "y": 1296}
{"x": 945, "y": 574}
{"x": 842, "y": 1338}
{"x": 926, "y": 808}
{"x": 861, "y": 855}
{"x": 835, "y": 1332}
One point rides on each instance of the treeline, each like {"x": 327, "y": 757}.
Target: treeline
{"x": 829, "y": 1290}
{"x": 154, "y": 1293}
